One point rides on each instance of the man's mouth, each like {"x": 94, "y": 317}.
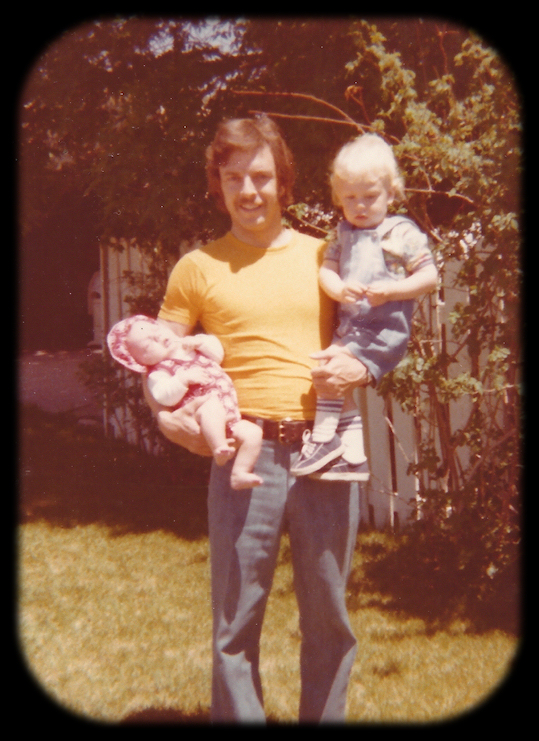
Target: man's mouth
{"x": 250, "y": 206}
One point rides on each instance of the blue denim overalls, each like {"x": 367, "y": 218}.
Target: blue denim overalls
{"x": 377, "y": 335}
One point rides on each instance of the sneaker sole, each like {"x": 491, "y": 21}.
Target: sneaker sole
{"x": 319, "y": 464}
{"x": 327, "y": 476}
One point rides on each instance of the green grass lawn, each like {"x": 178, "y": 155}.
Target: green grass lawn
{"x": 114, "y": 618}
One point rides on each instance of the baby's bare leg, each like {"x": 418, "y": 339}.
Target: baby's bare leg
{"x": 249, "y": 439}
{"x": 211, "y": 416}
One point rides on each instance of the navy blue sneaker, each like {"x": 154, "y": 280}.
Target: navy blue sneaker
{"x": 341, "y": 470}
{"x": 315, "y": 455}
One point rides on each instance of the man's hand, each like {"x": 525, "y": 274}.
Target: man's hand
{"x": 179, "y": 426}
{"x": 182, "y": 428}
{"x": 338, "y": 374}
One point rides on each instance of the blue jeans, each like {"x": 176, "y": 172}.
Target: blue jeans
{"x": 245, "y": 529}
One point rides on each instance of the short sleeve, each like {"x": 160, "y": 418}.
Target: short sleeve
{"x": 334, "y": 246}
{"x": 408, "y": 246}
{"x": 182, "y": 302}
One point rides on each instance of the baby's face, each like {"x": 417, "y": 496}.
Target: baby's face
{"x": 150, "y": 343}
{"x": 364, "y": 200}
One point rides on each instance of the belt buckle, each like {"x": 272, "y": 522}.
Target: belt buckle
{"x": 283, "y": 437}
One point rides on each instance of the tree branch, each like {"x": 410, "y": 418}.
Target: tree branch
{"x": 485, "y": 454}
{"x": 431, "y": 191}
{"x": 357, "y": 126}
{"x": 300, "y": 96}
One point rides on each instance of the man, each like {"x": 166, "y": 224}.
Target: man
{"x": 257, "y": 290}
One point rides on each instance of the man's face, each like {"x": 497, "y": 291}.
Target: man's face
{"x": 251, "y": 193}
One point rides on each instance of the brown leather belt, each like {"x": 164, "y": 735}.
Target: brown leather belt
{"x": 285, "y": 431}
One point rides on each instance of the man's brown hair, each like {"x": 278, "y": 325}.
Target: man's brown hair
{"x": 245, "y": 135}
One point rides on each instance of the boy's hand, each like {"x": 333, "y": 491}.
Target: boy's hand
{"x": 352, "y": 291}
{"x": 379, "y": 293}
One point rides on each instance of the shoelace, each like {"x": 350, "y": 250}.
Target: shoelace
{"x": 308, "y": 444}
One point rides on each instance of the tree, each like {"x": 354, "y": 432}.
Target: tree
{"x": 114, "y": 115}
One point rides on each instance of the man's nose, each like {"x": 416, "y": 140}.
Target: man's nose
{"x": 248, "y": 187}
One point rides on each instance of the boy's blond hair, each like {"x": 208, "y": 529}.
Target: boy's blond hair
{"x": 368, "y": 153}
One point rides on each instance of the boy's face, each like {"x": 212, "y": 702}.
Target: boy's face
{"x": 251, "y": 192}
{"x": 364, "y": 200}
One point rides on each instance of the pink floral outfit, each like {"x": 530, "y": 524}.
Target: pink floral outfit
{"x": 218, "y": 382}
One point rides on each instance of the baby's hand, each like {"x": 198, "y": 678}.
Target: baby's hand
{"x": 197, "y": 375}
{"x": 379, "y": 293}
{"x": 190, "y": 342}
{"x": 352, "y": 291}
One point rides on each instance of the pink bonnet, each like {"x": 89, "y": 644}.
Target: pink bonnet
{"x": 116, "y": 340}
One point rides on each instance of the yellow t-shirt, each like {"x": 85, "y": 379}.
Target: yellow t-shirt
{"x": 266, "y": 307}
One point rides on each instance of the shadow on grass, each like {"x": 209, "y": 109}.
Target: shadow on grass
{"x": 169, "y": 716}
{"x": 166, "y": 716}
{"x": 410, "y": 577}
{"x": 72, "y": 475}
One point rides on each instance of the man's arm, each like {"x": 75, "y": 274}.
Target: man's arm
{"x": 182, "y": 330}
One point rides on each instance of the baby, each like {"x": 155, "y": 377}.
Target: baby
{"x": 179, "y": 369}
{"x": 374, "y": 268}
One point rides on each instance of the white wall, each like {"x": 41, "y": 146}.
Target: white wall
{"x": 390, "y": 488}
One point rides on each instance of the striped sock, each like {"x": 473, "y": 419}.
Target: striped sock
{"x": 350, "y": 430}
{"x": 326, "y": 420}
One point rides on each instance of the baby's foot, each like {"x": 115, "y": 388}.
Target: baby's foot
{"x": 244, "y": 480}
{"x": 223, "y": 453}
